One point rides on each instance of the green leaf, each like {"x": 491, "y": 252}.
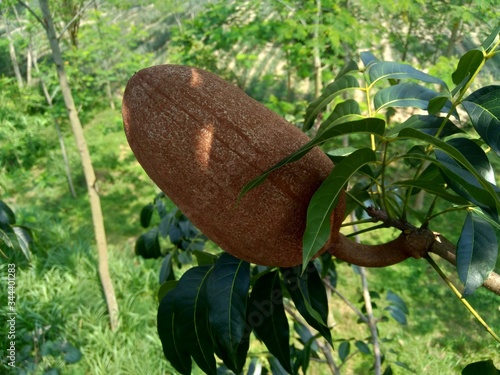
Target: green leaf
{"x": 397, "y": 301}
{"x": 204, "y": 258}
{"x": 468, "y": 65}
{"x": 191, "y": 318}
{"x": 306, "y": 337}
{"x": 482, "y": 368}
{"x": 324, "y": 201}
{"x": 166, "y": 287}
{"x": 166, "y": 271}
{"x": 344, "y": 112}
{"x": 71, "y": 353}
{"x": 477, "y": 252}
{"x": 148, "y": 244}
{"x": 337, "y": 87}
{"x": 407, "y": 94}
{"x": 147, "y": 214}
{"x": 393, "y": 70}
{"x": 228, "y": 287}
{"x": 268, "y": 319}
{"x": 436, "y": 104}
{"x": 309, "y": 296}
{"x": 461, "y": 180}
{"x": 24, "y": 239}
{"x": 455, "y": 154}
{"x": 398, "y": 315}
{"x": 483, "y": 108}
{"x": 367, "y": 125}
{"x": 427, "y": 124}
{"x": 179, "y": 358}
{"x": 362, "y": 347}
{"x": 344, "y": 349}
{"x": 368, "y": 58}
{"x": 351, "y": 66}
{"x": 6, "y": 214}
{"x": 432, "y": 188}
{"x": 489, "y": 42}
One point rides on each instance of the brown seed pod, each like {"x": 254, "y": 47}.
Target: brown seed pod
{"x": 201, "y": 139}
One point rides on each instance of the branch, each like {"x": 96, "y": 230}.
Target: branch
{"x": 439, "y": 245}
{"x": 33, "y": 13}
{"x": 74, "y": 19}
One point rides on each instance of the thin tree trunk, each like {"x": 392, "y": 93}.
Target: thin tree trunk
{"x": 316, "y": 53}
{"x": 88, "y": 170}
{"x": 455, "y": 31}
{"x": 48, "y": 98}
{"x": 12, "y": 52}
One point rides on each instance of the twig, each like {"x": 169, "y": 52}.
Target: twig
{"x": 324, "y": 348}
{"x": 462, "y": 299}
{"x": 74, "y": 19}
{"x": 372, "y": 323}
{"x": 33, "y": 13}
{"x": 361, "y": 316}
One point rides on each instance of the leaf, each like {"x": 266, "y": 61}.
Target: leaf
{"x": 468, "y": 65}
{"x": 166, "y": 287}
{"x": 228, "y": 287}
{"x": 477, "y": 252}
{"x": 344, "y": 112}
{"x": 324, "y": 201}
{"x": 166, "y": 271}
{"x": 344, "y": 349}
{"x": 483, "y": 108}
{"x": 148, "y": 244}
{"x": 397, "y": 301}
{"x": 393, "y": 70}
{"x": 368, "y": 58}
{"x": 367, "y": 125}
{"x": 362, "y": 347}
{"x": 306, "y": 337}
{"x": 427, "y": 124}
{"x": 71, "y": 353}
{"x": 406, "y": 94}
{"x": 345, "y": 83}
{"x": 482, "y": 367}
{"x": 147, "y": 214}
{"x": 204, "y": 258}
{"x": 7, "y": 216}
{"x": 398, "y": 315}
{"x": 455, "y": 154}
{"x": 191, "y": 317}
{"x": 268, "y": 319}
{"x": 436, "y": 104}
{"x": 351, "y": 66}
{"x": 24, "y": 239}
{"x": 179, "y": 358}
{"x": 489, "y": 42}
{"x": 309, "y": 296}
{"x": 433, "y": 188}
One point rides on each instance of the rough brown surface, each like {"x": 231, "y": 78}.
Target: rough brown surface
{"x": 201, "y": 140}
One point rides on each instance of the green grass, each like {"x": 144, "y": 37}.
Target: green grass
{"x": 60, "y": 297}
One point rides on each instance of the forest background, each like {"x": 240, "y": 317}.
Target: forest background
{"x": 281, "y": 53}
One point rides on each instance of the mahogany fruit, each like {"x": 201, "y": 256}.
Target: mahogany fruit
{"x": 201, "y": 139}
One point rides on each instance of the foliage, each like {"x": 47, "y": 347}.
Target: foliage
{"x": 266, "y": 47}
{"x": 220, "y": 312}
{"x": 12, "y": 236}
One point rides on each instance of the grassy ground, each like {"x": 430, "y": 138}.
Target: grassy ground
{"x": 60, "y": 299}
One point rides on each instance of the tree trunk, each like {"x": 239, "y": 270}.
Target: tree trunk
{"x": 88, "y": 170}
{"x": 316, "y": 53}
{"x": 12, "y": 52}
